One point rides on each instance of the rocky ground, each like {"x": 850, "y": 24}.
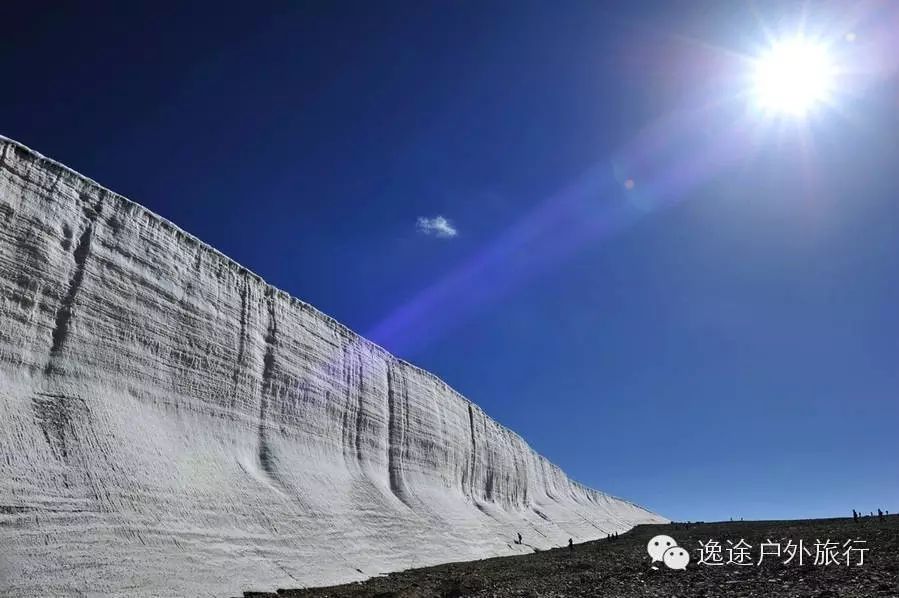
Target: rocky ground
{"x": 622, "y": 568}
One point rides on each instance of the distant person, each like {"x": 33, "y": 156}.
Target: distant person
{"x": 855, "y": 515}
{"x": 880, "y": 514}
{"x": 608, "y": 536}
{"x": 519, "y": 537}
{"x": 570, "y": 545}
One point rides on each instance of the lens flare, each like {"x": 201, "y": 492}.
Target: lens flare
{"x": 793, "y": 76}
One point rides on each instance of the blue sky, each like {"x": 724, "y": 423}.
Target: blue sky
{"x": 571, "y": 212}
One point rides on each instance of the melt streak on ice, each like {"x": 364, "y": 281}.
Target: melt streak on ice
{"x": 171, "y": 425}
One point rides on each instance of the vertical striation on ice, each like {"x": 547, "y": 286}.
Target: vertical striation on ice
{"x": 172, "y": 425}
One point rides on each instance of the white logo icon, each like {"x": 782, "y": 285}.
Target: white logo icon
{"x": 658, "y": 545}
{"x": 676, "y": 558}
{"x": 665, "y": 549}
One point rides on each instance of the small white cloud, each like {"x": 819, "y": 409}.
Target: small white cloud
{"x": 437, "y": 226}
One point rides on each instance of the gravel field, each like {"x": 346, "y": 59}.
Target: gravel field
{"x": 622, "y": 567}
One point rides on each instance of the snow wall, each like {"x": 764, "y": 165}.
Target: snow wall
{"x": 171, "y": 425}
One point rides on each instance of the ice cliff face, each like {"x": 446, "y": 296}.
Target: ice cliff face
{"x": 171, "y": 425}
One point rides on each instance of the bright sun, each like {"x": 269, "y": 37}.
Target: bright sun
{"x": 793, "y": 76}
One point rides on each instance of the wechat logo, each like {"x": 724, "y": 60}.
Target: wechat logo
{"x": 666, "y": 550}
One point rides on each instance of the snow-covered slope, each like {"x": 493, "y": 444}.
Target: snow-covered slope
{"x": 171, "y": 425}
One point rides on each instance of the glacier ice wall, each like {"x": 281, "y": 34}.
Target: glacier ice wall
{"x": 171, "y": 425}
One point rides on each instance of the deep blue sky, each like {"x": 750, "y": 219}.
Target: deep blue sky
{"x": 721, "y": 340}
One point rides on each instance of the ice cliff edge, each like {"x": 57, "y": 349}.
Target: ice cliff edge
{"x": 172, "y": 425}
